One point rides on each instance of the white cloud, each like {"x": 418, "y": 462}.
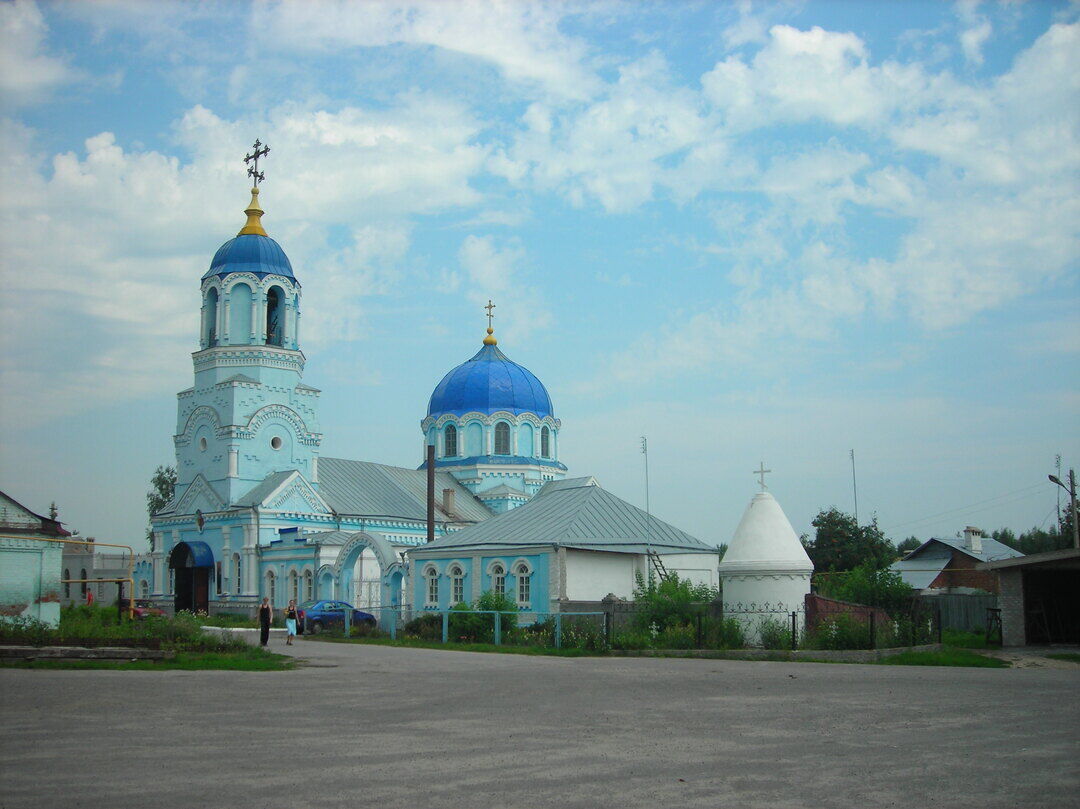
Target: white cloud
{"x": 495, "y": 272}
{"x": 27, "y": 72}
{"x": 977, "y": 30}
{"x": 522, "y": 40}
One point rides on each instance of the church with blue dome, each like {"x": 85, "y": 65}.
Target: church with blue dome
{"x": 258, "y": 511}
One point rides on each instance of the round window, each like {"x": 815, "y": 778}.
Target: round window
{"x": 202, "y": 444}
{"x": 275, "y": 442}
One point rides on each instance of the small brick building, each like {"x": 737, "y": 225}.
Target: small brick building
{"x": 1039, "y": 597}
{"x": 954, "y": 565}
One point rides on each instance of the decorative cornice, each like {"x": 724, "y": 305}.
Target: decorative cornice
{"x": 248, "y": 355}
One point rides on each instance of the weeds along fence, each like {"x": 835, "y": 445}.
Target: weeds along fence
{"x": 817, "y": 624}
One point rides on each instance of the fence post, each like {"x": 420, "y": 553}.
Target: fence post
{"x": 348, "y": 622}
{"x": 699, "y": 620}
{"x": 393, "y": 623}
{"x": 939, "y": 624}
{"x": 794, "y": 632}
{"x": 914, "y": 628}
{"x": 445, "y": 626}
{"x": 873, "y": 628}
{"x": 558, "y": 630}
{"x": 609, "y": 627}
{"x": 498, "y": 627}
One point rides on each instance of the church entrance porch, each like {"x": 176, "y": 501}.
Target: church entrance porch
{"x": 191, "y": 563}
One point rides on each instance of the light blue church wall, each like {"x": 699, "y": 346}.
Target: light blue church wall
{"x": 539, "y": 579}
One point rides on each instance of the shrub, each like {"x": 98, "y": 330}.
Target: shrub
{"x": 725, "y": 634}
{"x": 669, "y": 602}
{"x": 868, "y": 585}
{"x": 676, "y": 637}
{"x": 634, "y": 639}
{"x": 839, "y": 632}
{"x": 427, "y": 626}
{"x": 775, "y": 634}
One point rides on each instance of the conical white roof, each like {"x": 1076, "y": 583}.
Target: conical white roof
{"x": 765, "y": 542}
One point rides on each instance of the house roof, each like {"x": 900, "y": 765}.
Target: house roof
{"x": 261, "y": 491}
{"x": 991, "y": 549}
{"x": 1064, "y": 557}
{"x": 574, "y": 514}
{"x": 920, "y": 573}
{"x": 16, "y": 518}
{"x": 365, "y": 488}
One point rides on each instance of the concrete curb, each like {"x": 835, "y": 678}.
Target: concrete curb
{"x": 82, "y": 653}
{"x": 838, "y": 656}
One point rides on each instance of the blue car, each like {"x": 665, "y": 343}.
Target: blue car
{"x": 315, "y": 616}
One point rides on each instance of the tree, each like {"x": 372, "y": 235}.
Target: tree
{"x": 162, "y": 488}
{"x": 909, "y": 544}
{"x": 840, "y": 543}
{"x": 868, "y": 585}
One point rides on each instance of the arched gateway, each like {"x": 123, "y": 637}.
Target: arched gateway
{"x": 191, "y": 563}
{"x": 390, "y": 575}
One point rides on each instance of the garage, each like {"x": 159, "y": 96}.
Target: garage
{"x": 1039, "y": 598}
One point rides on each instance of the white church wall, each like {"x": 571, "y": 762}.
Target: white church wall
{"x": 591, "y": 575}
{"x": 699, "y": 568}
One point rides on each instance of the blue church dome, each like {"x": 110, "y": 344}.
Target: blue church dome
{"x": 488, "y": 382}
{"x": 260, "y": 255}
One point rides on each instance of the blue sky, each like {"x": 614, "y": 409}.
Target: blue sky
{"x": 749, "y": 231}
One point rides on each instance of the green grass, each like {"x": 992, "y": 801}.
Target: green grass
{"x": 964, "y": 640}
{"x": 1072, "y": 657}
{"x": 946, "y": 657}
{"x": 247, "y": 660}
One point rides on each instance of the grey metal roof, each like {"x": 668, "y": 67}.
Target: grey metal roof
{"x": 362, "y": 488}
{"x": 581, "y": 515}
{"x": 991, "y": 549}
{"x": 921, "y": 572}
{"x": 264, "y": 489}
{"x": 329, "y": 537}
{"x": 500, "y": 490}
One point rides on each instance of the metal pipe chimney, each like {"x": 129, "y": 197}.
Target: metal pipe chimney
{"x": 431, "y": 493}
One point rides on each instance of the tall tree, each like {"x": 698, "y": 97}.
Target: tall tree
{"x": 840, "y": 543}
{"x": 908, "y": 545}
{"x": 162, "y": 487}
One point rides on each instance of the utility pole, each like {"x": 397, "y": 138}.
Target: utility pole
{"x": 648, "y": 518}
{"x": 1057, "y": 464}
{"x": 854, "y": 488}
{"x": 1071, "y": 489}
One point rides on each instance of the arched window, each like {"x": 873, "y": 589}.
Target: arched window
{"x": 432, "y": 589}
{"x": 82, "y": 584}
{"x": 309, "y": 586}
{"x": 211, "y": 314}
{"x": 502, "y": 438}
{"x": 457, "y": 584}
{"x": 144, "y": 589}
{"x": 524, "y": 584}
{"x": 275, "y": 316}
{"x": 236, "y": 571}
{"x": 294, "y": 586}
{"x": 498, "y": 579}
{"x": 67, "y": 584}
{"x": 271, "y": 587}
{"x": 545, "y": 443}
{"x": 240, "y": 314}
{"x": 450, "y": 441}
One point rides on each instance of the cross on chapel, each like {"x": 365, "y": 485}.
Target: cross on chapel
{"x": 489, "y": 307}
{"x": 761, "y": 471}
{"x": 253, "y": 158}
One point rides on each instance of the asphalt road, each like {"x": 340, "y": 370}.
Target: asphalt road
{"x": 384, "y": 727}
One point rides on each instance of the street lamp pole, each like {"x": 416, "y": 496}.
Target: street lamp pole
{"x": 1071, "y": 489}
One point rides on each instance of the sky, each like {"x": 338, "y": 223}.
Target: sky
{"x": 752, "y": 232}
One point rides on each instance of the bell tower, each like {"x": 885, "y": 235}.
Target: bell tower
{"x": 248, "y": 415}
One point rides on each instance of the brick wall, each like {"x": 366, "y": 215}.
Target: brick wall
{"x": 1011, "y": 602}
{"x": 961, "y": 572}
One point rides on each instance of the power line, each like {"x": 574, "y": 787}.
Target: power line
{"x": 1025, "y": 492}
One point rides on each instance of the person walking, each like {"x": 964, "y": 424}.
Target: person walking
{"x": 290, "y": 622}
{"x": 266, "y": 615}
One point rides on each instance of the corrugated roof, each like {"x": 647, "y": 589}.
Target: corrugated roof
{"x": 363, "y": 488}
{"x": 576, "y": 516}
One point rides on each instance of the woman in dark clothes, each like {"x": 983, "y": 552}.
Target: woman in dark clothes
{"x": 266, "y": 615}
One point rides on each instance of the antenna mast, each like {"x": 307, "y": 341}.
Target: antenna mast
{"x": 854, "y": 487}
{"x": 648, "y": 518}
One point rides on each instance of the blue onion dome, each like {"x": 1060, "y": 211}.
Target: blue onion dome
{"x": 252, "y": 250}
{"x": 488, "y": 382}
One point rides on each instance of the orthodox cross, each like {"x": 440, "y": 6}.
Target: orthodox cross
{"x": 489, "y": 307}
{"x": 761, "y": 471}
{"x": 253, "y": 158}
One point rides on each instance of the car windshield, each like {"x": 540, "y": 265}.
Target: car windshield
{"x": 308, "y": 606}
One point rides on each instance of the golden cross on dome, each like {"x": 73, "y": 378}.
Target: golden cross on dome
{"x": 490, "y": 339}
{"x": 253, "y": 158}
